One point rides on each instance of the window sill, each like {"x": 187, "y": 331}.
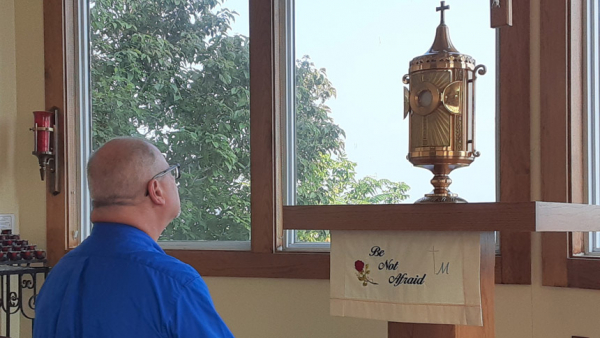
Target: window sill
{"x": 260, "y": 265}
{"x": 205, "y": 245}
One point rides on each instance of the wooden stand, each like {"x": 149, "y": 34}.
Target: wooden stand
{"x": 483, "y": 217}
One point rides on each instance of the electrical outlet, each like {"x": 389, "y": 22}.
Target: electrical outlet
{"x": 7, "y": 221}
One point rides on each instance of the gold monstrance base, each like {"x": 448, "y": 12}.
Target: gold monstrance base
{"x": 434, "y": 198}
{"x": 441, "y": 181}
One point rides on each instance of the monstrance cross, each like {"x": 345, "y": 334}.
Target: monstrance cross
{"x": 442, "y": 8}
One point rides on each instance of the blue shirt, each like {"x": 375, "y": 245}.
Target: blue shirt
{"x": 120, "y": 283}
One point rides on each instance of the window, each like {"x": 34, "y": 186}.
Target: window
{"x": 351, "y": 139}
{"x": 263, "y": 259}
{"x": 177, "y": 74}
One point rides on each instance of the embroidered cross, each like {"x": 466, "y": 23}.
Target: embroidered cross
{"x": 433, "y": 251}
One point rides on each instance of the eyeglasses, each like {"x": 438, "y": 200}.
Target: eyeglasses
{"x": 174, "y": 170}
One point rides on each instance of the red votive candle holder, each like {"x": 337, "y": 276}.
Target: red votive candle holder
{"x": 40, "y": 254}
{"x": 27, "y": 255}
{"x": 43, "y": 119}
{"x": 14, "y": 255}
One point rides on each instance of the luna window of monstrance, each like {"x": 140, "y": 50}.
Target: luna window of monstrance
{"x": 440, "y": 106}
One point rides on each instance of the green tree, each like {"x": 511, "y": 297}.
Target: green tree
{"x": 170, "y": 71}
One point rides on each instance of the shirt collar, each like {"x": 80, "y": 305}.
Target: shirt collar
{"x": 124, "y": 236}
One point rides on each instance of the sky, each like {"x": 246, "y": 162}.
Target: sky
{"x": 366, "y": 51}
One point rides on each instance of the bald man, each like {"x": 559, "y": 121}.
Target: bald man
{"x": 119, "y": 282}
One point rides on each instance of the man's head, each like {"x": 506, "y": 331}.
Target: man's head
{"x": 123, "y": 186}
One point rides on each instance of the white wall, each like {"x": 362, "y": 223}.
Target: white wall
{"x": 21, "y": 92}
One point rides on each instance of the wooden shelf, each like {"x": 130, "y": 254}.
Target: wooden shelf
{"x": 501, "y": 216}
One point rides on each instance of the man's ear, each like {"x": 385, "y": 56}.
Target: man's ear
{"x": 156, "y": 192}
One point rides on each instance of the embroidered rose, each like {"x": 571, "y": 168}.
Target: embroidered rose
{"x": 363, "y": 273}
{"x": 359, "y": 266}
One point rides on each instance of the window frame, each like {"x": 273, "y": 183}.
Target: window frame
{"x": 513, "y": 265}
{"x": 563, "y": 142}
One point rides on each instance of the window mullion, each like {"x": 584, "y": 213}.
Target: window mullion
{"x": 288, "y": 58}
{"x": 593, "y": 106}
{"x": 84, "y": 106}
{"x": 265, "y": 197}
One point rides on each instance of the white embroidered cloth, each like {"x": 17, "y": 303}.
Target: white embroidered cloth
{"x": 413, "y": 277}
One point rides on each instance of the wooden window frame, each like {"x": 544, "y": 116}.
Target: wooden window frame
{"x": 562, "y": 142}
{"x": 513, "y": 265}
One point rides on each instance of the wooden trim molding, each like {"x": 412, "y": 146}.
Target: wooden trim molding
{"x": 583, "y": 273}
{"x": 514, "y": 139}
{"x": 573, "y": 272}
{"x": 554, "y": 133}
{"x": 253, "y": 264}
{"x": 498, "y": 269}
{"x": 61, "y": 210}
{"x": 265, "y": 169}
{"x": 577, "y": 119}
{"x": 554, "y": 102}
{"x": 562, "y": 140}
